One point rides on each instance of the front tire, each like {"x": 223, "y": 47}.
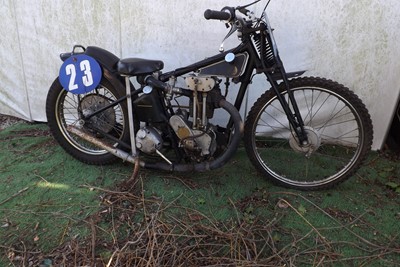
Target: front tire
{"x": 338, "y": 127}
{"x": 65, "y": 109}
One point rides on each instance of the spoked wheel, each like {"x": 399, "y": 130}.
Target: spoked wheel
{"x": 65, "y": 109}
{"x": 338, "y": 128}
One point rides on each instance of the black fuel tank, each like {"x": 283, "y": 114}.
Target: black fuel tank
{"x": 225, "y": 69}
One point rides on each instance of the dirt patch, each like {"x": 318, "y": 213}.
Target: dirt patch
{"x": 7, "y": 121}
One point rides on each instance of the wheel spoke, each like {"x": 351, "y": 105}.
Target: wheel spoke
{"x": 71, "y": 107}
{"x": 335, "y": 123}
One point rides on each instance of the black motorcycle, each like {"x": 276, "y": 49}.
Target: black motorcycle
{"x": 304, "y": 132}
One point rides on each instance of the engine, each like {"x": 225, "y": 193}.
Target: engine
{"x": 196, "y": 136}
{"x": 197, "y": 143}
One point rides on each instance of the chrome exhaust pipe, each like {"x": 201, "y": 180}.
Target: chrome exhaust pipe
{"x": 91, "y": 139}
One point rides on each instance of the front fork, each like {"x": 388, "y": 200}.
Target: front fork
{"x": 293, "y": 116}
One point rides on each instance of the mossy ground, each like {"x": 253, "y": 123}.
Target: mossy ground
{"x": 48, "y": 199}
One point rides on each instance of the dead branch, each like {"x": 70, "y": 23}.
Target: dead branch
{"x": 14, "y": 196}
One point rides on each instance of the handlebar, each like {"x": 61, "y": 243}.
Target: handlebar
{"x": 217, "y": 15}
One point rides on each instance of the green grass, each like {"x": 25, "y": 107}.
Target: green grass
{"x": 54, "y": 198}
{"x": 50, "y": 201}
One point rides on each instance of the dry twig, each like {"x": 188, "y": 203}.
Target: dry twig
{"x": 14, "y": 196}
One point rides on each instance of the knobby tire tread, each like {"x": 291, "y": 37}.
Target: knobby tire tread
{"x": 333, "y": 86}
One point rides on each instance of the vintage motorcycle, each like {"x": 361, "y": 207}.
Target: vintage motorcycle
{"x": 305, "y": 133}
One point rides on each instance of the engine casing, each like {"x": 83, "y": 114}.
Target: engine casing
{"x": 193, "y": 140}
{"x": 148, "y": 140}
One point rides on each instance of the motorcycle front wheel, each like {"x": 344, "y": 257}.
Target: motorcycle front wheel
{"x": 65, "y": 109}
{"x": 338, "y": 128}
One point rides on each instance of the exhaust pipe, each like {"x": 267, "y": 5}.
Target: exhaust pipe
{"x": 91, "y": 139}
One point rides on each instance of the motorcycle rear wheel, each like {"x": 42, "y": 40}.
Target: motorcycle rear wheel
{"x": 338, "y": 127}
{"x": 65, "y": 109}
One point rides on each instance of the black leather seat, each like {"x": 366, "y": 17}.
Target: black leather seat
{"x": 138, "y": 66}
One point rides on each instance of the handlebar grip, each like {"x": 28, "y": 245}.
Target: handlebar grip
{"x": 217, "y": 15}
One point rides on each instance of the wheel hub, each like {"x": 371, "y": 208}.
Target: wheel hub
{"x": 313, "y": 138}
{"x": 103, "y": 121}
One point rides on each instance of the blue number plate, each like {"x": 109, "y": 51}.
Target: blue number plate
{"x": 80, "y": 74}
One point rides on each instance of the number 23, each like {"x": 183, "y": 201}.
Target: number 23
{"x": 87, "y": 78}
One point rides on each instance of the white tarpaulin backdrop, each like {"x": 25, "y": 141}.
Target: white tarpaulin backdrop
{"x": 352, "y": 42}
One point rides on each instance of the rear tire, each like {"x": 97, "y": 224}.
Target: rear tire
{"x": 338, "y": 127}
{"x": 64, "y": 108}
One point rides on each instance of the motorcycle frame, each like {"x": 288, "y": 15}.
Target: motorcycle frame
{"x": 253, "y": 67}
{"x": 254, "y": 64}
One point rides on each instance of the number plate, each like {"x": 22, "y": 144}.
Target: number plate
{"x": 80, "y": 74}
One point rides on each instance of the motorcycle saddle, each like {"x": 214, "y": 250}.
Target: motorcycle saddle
{"x": 138, "y": 66}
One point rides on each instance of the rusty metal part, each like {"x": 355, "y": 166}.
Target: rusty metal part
{"x": 91, "y": 139}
